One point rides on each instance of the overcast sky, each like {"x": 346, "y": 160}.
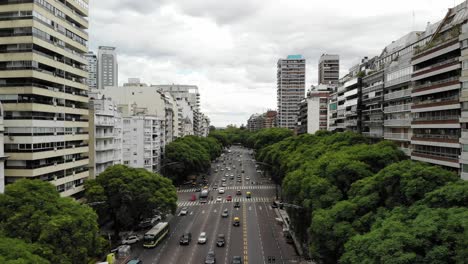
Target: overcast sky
{"x": 229, "y": 48}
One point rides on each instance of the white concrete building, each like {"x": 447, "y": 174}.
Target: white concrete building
{"x": 185, "y": 117}
{"x": 108, "y": 74}
{"x": 106, "y": 134}
{"x": 143, "y": 139}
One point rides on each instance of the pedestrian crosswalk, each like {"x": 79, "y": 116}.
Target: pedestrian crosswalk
{"x": 240, "y": 199}
{"x": 246, "y": 187}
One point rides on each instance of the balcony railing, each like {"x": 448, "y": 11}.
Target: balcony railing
{"x": 428, "y": 84}
{"x": 435, "y": 136}
{"x": 350, "y": 123}
{"x": 397, "y": 122}
{"x": 443, "y": 155}
{"x": 436, "y": 65}
{"x": 102, "y": 147}
{"x": 437, "y": 100}
{"x": 398, "y": 94}
{"x": 396, "y": 136}
{"x": 437, "y": 118}
{"x": 373, "y": 134}
{"x": 397, "y": 108}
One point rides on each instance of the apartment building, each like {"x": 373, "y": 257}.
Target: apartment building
{"x": 143, "y": 140}
{"x": 2, "y": 152}
{"x": 313, "y": 113}
{"x": 436, "y": 108}
{"x": 108, "y": 71}
{"x": 92, "y": 70}
{"x": 106, "y": 134}
{"x": 44, "y": 91}
{"x": 372, "y": 103}
{"x": 290, "y": 89}
{"x": 255, "y": 122}
{"x": 329, "y": 69}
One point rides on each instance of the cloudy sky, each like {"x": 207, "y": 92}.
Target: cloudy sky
{"x": 229, "y": 48}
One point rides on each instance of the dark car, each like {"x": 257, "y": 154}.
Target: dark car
{"x": 210, "y": 258}
{"x": 198, "y": 189}
{"x": 237, "y": 205}
{"x": 238, "y": 192}
{"x": 145, "y": 224}
{"x": 236, "y": 260}
{"x": 221, "y": 240}
{"x": 185, "y": 239}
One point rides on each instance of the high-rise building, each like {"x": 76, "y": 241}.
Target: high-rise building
{"x": 313, "y": 114}
{"x": 2, "y": 153}
{"x": 108, "y": 74}
{"x": 44, "y": 92}
{"x": 290, "y": 89}
{"x": 92, "y": 69}
{"x": 329, "y": 69}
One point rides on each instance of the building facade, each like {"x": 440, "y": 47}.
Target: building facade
{"x": 290, "y": 89}
{"x": 313, "y": 114}
{"x": 2, "y": 152}
{"x": 106, "y": 134}
{"x": 44, "y": 92}
{"x": 329, "y": 69}
{"x": 143, "y": 141}
{"x": 92, "y": 70}
{"x": 108, "y": 70}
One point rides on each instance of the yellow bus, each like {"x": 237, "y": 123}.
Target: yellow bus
{"x": 154, "y": 236}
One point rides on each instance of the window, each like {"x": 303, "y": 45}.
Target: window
{"x": 465, "y": 168}
{"x": 465, "y": 65}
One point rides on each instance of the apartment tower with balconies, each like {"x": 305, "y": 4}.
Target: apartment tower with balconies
{"x": 44, "y": 91}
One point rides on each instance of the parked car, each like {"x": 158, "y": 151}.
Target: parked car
{"x": 130, "y": 240}
{"x": 185, "y": 239}
{"x": 210, "y": 258}
{"x": 202, "y": 238}
{"x": 146, "y": 223}
{"x": 221, "y": 240}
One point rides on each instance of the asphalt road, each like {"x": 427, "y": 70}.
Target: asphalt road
{"x": 257, "y": 240}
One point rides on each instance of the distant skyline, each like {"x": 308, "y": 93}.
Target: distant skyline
{"x": 229, "y": 49}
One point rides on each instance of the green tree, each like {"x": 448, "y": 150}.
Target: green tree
{"x": 16, "y": 251}
{"x": 66, "y": 231}
{"x": 131, "y": 194}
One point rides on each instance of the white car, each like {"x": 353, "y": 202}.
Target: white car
{"x": 221, "y": 190}
{"x": 247, "y": 178}
{"x": 219, "y": 199}
{"x": 183, "y": 211}
{"x": 202, "y": 238}
{"x": 130, "y": 240}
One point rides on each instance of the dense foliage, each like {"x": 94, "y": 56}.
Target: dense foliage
{"x": 36, "y": 225}
{"x": 190, "y": 155}
{"x": 364, "y": 202}
{"x": 128, "y": 195}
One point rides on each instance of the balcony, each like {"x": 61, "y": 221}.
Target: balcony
{"x": 104, "y": 135}
{"x": 398, "y": 122}
{"x": 102, "y": 147}
{"x": 436, "y": 84}
{"x": 438, "y": 43}
{"x": 398, "y": 94}
{"x": 436, "y": 138}
{"x": 104, "y": 159}
{"x": 101, "y": 122}
{"x": 438, "y": 156}
{"x": 397, "y": 136}
{"x": 436, "y": 102}
{"x": 436, "y": 66}
{"x": 425, "y": 119}
{"x": 397, "y": 108}
{"x": 372, "y": 134}
{"x": 349, "y": 123}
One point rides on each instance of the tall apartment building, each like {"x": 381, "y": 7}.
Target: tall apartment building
{"x": 108, "y": 70}
{"x": 191, "y": 95}
{"x": 464, "y": 102}
{"x": 105, "y": 134}
{"x": 92, "y": 70}
{"x": 372, "y": 102}
{"x": 313, "y": 114}
{"x": 255, "y": 122}
{"x": 329, "y": 69}
{"x": 143, "y": 142}
{"x": 290, "y": 89}
{"x": 44, "y": 91}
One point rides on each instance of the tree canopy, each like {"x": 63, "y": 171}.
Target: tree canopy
{"x": 128, "y": 195}
{"x": 57, "y": 229}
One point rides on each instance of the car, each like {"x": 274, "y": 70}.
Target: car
{"x": 224, "y": 184}
{"x": 221, "y": 190}
{"x": 228, "y": 169}
{"x": 157, "y": 217}
{"x": 243, "y": 171}
{"x": 225, "y": 213}
{"x": 202, "y": 238}
{"x": 224, "y": 179}
{"x": 183, "y": 211}
{"x": 219, "y": 199}
{"x": 274, "y": 205}
{"x": 226, "y": 175}
{"x": 239, "y": 180}
{"x": 221, "y": 240}
{"x": 198, "y": 189}
{"x": 222, "y": 169}
{"x": 185, "y": 238}
{"x": 248, "y": 195}
{"x": 236, "y": 260}
{"x": 130, "y": 240}
{"x": 247, "y": 178}
{"x": 146, "y": 223}
{"x": 215, "y": 187}
{"x": 229, "y": 198}
{"x": 236, "y": 221}
{"x": 237, "y": 205}
{"x": 135, "y": 261}
{"x": 210, "y": 257}
{"x": 238, "y": 192}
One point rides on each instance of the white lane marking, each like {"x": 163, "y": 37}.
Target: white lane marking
{"x": 203, "y": 211}
{"x": 260, "y": 207}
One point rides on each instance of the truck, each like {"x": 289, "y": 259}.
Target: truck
{"x": 203, "y": 196}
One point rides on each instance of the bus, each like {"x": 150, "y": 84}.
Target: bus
{"x": 154, "y": 236}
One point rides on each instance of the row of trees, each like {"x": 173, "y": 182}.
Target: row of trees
{"x": 190, "y": 155}
{"x": 366, "y": 203}
{"x": 38, "y": 226}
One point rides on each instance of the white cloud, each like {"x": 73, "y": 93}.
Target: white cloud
{"x": 230, "y": 48}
